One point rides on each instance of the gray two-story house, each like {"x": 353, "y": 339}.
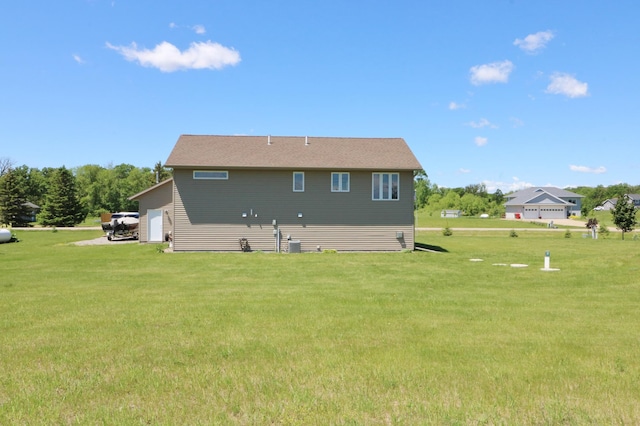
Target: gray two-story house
{"x": 543, "y": 203}
{"x": 273, "y": 193}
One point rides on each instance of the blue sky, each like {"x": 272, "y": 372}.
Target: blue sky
{"x": 509, "y": 93}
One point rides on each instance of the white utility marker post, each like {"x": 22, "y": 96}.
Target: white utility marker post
{"x": 547, "y": 262}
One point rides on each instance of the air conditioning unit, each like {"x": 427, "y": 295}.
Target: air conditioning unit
{"x": 294, "y": 246}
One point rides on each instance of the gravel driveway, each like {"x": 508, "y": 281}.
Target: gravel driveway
{"x": 103, "y": 240}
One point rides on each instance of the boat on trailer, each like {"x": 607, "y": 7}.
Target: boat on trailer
{"x": 121, "y": 225}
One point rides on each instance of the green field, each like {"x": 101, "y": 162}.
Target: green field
{"x": 125, "y": 334}
{"x": 428, "y": 219}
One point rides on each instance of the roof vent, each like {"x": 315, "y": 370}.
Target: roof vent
{"x": 306, "y": 140}
{"x": 269, "y": 140}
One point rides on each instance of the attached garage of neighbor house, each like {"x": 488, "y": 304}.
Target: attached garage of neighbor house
{"x": 542, "y": 203}
{"x": 545, "y": 212}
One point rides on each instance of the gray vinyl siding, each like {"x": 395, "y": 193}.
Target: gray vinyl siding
{"x": 160, "y": 198}
{"x": 208, "y": 213}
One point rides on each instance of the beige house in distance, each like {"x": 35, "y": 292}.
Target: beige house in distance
{"x": 282, "y": 193}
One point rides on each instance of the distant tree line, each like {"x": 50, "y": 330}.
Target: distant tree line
{"x": 594, "y": 197}
{"x": 474, "y": 199}
{"x": 67, "y": 196}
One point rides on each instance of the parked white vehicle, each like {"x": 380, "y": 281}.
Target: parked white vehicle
{"x": 122, "y": 225}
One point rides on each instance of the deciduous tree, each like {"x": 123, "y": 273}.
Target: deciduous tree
{"x": 624, "y": 215}
{"x": 422, "y": 188}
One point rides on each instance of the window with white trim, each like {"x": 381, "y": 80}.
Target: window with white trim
{"x": 385, "y": 186}
{"x": 211, "y": 174}
{"x": 298, "y": 181}
{"x": 340, "y": 182}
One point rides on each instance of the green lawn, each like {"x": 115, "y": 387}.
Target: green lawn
{"x": 123, "y": 334}
{"x": 427, "y": 219}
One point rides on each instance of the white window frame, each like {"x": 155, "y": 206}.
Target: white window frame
{"x": 210, "y": 175}
{"x": 341, "y": 184}
{"x": 294, "y": 181}
{"x": 382, "y": 194}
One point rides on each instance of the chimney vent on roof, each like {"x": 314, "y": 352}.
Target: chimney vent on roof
{"x": 269, "y": 140}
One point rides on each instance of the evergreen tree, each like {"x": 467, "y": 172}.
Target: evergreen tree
{"x": 161, "y": 173}
{"x": 624, "y": 215}
{"x": 62, "y": 206}
{"x": 498, "y": 196}
{"x": 13, "y": 210}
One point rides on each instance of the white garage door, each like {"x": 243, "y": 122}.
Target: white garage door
{"x": 154, "y": 229}
{"x": 552, "y": 213}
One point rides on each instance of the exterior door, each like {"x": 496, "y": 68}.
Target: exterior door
{"x": 154, "y": 228}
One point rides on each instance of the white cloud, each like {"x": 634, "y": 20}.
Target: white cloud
{"x": 533, "y": 43}
{"x": 464, "y": 171}
{"x": 454, "y": 106}
{"x": 566, "y": 84}
{"x": 495, "y": 72}
{"x": 506, "y": 187}
{"x": 585, "y": 169}
{"x": 78, "y": 59}
{"x": 168, "y": 58}
{"x": 480, "y": 141}
{"x": 199, "y": 29}
{"x": 483, "y": 122}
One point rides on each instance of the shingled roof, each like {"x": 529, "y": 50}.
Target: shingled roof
{"x": 289, "y": 152}
{"x": 535, "y": 194}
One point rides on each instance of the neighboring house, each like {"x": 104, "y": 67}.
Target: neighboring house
{"x": 32, "y": 210}
{"x": 273, "y": 193}
{"x": 450, "y": 213}
{"x": 155, "y": 206}
{"x": 610, "y": 204}
{"x": 635, "y": 200}
{"x": 543, "y": 203}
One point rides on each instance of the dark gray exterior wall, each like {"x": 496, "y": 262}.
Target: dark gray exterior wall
{"x": 209, "y": 213}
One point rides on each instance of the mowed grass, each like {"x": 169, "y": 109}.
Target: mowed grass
{"x": 432, "y": 219}
{"x": 122, "y": 334}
